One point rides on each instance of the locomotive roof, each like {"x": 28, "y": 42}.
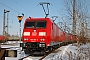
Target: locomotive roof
{"x": 28, "y": 19}
{"x": 36, "y": 18}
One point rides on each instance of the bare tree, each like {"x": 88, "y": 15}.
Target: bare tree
{"x": 76, "y": 12}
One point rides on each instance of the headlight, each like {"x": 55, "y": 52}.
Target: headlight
{"x": 42, "y": 33}
{"x": 26, "y": 33}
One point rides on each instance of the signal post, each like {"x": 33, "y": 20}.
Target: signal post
{"x": 20, "y": 19}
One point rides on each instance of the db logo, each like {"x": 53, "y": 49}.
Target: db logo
{"x": 34, "y": 33}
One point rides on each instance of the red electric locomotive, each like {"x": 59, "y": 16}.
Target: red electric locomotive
{"x": 42, "y": 34}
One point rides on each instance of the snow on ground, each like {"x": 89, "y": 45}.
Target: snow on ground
{"x": 69, "y": 52}
{"x": 32, "y": 58}
{"x": 63, "y": 53}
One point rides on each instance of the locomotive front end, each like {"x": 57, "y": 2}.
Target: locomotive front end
{"x": 34, "y": 34}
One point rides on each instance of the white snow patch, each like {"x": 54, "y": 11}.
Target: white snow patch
{"x": 63, "y": 53}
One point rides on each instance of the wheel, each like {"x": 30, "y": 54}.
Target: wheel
{"x": 51, "y": 48}
{"x": 27, "y": 51}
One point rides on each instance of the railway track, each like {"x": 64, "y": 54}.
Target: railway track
{"x": 48, "y": 54}
{"x": 42, "y": 57}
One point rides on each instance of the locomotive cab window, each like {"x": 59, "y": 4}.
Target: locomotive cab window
{"x": 30, "y": 24}
{"x": 41, "y": 24}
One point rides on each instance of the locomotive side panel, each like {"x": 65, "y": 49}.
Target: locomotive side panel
{"x": 57, "y": 33}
